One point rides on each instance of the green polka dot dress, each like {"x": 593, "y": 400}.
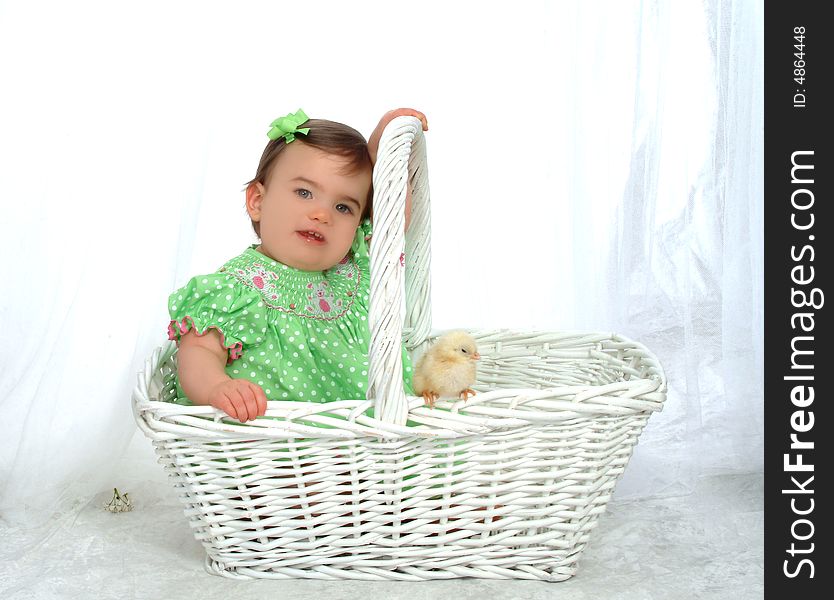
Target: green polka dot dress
{"x": 300, "y": 335}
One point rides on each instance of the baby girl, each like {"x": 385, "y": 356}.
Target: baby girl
{"x": 288, "y": 318}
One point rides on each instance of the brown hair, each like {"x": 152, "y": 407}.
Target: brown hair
{"x": 327, "y": 136}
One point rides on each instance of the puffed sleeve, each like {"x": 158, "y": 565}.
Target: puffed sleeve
{"x": 215, "y": 301}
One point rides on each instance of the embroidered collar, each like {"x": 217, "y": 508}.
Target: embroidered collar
{"x": 324, "y": 295}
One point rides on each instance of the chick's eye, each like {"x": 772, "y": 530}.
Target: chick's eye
{"x": 463, "y": 350}
{"x": 344, "y": 209}
{"x": 305, "y": 194}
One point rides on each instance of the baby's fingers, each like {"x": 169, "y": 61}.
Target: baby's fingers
{"x": 422, "y": 117}
{"x": 260, "y": 398}
{"x": 238, "y": 398}
{"x": 250, "y": 401}
{"x": 410, "y": 112}
{"x": 227, "y": 406}
{"x": 416, "y": 113}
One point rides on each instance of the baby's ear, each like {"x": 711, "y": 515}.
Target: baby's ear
{"x": 254, "y": 199}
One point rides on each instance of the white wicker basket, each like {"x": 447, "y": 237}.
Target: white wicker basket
{"x": 507, "y": 484}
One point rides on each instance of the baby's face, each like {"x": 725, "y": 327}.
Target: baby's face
{"x": 310, "y": 208}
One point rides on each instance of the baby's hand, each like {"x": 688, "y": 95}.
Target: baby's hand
{"x": 239, "y": 398}
{"x": 373, "y": 141}
{"x": 403, "y": 112}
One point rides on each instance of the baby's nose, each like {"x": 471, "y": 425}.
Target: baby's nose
{"x": 320, "y": 214}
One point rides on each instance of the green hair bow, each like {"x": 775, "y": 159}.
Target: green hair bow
{"x": 288, "y": 126}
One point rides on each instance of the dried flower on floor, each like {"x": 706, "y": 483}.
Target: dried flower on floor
{"x": 119, "y": 503}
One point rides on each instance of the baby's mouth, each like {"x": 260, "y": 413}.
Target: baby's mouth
{"x": 313, "y": 237}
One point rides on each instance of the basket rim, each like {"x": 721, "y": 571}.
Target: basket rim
{"x": 501, "y": 408}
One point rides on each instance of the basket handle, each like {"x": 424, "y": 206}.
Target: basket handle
{"x": 395, "y": 317}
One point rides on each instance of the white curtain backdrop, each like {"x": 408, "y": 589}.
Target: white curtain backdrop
{"x": 594, "y": 165}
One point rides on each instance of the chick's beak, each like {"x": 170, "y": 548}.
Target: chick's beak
{"x": 476, "y": 356}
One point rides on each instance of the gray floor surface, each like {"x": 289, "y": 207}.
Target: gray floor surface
{"x": 707, "y": 544}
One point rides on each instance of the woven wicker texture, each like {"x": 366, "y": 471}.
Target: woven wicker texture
{"x": 507, "y": 484}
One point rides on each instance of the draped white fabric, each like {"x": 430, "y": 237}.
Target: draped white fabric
{"x": 594, "y": 165}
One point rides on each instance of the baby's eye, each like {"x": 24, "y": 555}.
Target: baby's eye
{"x": 302, "y": 193}
{"x": 344, "y": 209}
{"x": 463, "y": 350}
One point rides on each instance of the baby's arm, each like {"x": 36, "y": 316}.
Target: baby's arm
{"x": 373, "y": 145}
{"x": 200, "y": 364}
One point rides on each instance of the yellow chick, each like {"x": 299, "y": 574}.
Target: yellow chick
{"x": 447, "y": 368}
